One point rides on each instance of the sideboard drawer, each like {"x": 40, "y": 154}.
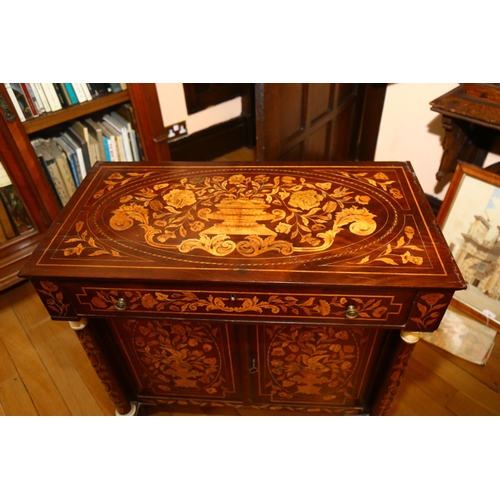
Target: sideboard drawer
{"x": 389, "y": 309}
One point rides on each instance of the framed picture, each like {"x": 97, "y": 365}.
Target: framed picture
{"x": 470, "y": 220}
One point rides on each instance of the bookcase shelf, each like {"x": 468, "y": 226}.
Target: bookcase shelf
{"x": 76, "y": 111}
{"x": 28, "y": 177}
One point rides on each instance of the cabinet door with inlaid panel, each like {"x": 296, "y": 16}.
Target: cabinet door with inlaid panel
{"x": 315, "y": 365}
{"x": 179, "y": 360}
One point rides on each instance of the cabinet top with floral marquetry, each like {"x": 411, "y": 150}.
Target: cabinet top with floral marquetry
{"x": 249, "y": 224}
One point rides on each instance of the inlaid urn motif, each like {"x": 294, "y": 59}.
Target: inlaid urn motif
{"x": 240, "y": 216}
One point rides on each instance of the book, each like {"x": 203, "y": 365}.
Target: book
{"x": 62, "y": 95}
{"x": 95, "y": 131}
{"x": 82, "y": 131}
{"x": 70, "y": 91}
{"x": 108, "y": 88}
{"x": 15, "y": 103}
{"x": 62, "y": 165}
{"x": 29, "y": 99}
{"x": 123, "y": 134}
{"x": 21, "y": 99}
{"x": 110, "y": 143}
{"x": 86, "y": 91}
{"x": 52, "y": 97}
{"x": 16, "y": 209}
{"x": 5, "y": 221}
{"x": 82, "y": 150}
{"x": 51, "y": 169}
{"x": 72, "y": 157}
{"x": 41, "y": 95}
{"x": 97, "y": 89}
{"x": 79, "y": 92}
{"x": 127, "y": 112}
{"x": 79, "y": 138}
{"x": 36, "y": 143}
{"x": 37, "y": 99}
{"x": 131, "y": 135}
{"x": 115, "y": 87}
{"x": 107, "y": 148}
{"x": 3, "y": 237}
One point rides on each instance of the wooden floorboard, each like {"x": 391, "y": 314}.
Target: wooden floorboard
{"x": 44, "y": 394}
{"x": 464, "y": 405}
{"x": 45, "y": 337}
{"x": 13, "y": 394}
{"x": 489, "y": 374}
{"x": 436, "y": 388}
{"x": 438, "y": 362}
{"x": 417, "y": 401}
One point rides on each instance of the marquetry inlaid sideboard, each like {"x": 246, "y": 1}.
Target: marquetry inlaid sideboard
{"x": 288, "y": 288}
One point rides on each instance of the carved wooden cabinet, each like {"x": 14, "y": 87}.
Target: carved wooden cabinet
{"x": 282, "y": 287}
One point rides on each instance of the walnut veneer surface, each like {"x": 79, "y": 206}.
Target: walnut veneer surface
{"x": 260, "y": 285}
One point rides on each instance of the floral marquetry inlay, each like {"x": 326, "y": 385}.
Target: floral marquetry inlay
{"x": 181, "y": 357}
{"x": 377, "y": 308}
{"x": 431, "y": 307}
{"x": 53, "y": 298}
{"x": 211, "y": 214}
{"x": 312, "y": 362}
{"x": 246, "y": 215}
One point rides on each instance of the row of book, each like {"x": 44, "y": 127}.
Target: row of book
{"x": 69, "y": 156}
{"x": 14, "y": 220}
{"x": 34, "y": 99}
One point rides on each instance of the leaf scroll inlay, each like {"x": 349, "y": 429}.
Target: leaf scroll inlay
{"x": 181, "y": 356}
{"x": 377, "y": 308}
{"x": 317, "y": 362}
{"x": 246, "y": 214}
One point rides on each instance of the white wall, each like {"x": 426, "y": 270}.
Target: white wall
{"x": 174, "y": 110}
{"x": 409, "y": 130}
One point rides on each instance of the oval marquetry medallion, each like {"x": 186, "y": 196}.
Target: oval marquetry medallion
{"x": 251, "y": 217}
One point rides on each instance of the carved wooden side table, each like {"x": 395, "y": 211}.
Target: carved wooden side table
{"x": 283, "y": 287}
{"x": 471, "y": 120}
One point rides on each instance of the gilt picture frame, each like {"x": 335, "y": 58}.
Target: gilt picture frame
{"x": 469, "y": 218}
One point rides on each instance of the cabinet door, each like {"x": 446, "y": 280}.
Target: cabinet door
{"x": 315, "y": 366}
{"x": 179, "y": 360}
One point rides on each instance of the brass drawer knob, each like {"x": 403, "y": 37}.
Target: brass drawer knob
{"x": 351, "y": 312}
{"x": 121, "y": 304}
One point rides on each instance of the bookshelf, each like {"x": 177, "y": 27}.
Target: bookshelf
{"x": 20, "y": 163}
{"x": 76, "y": 111}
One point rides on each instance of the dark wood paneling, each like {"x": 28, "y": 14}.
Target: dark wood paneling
{"x": 200, "y": 96}
{"x": 214, "y": 141}
{"x": 223, "y": 138}
{"x": 317, "y": 121}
